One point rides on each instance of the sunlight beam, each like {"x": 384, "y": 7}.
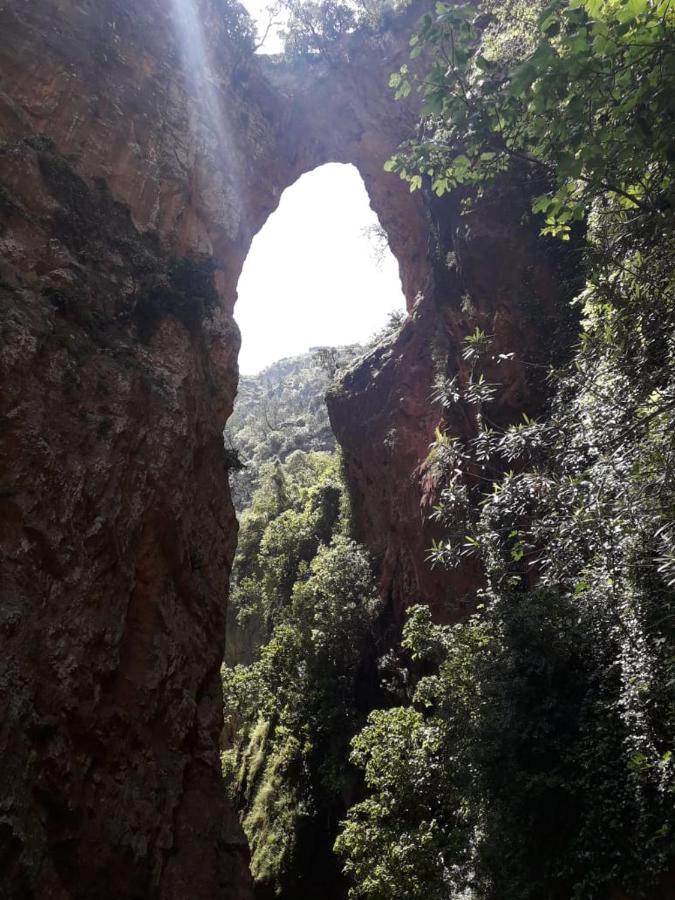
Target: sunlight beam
{"x": 209, "y": 123}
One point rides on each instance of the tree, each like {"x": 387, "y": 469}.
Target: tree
{"x": 294, "y": 710}
{"x": 315, "y": 28}
{"x": 558, "y": 695}
{"x": 585, "y": 107}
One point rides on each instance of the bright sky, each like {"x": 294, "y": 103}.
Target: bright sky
{"x": 310, "y": 278}
{"x": 260, "y": 12}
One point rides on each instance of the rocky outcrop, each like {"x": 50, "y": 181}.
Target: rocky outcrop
{"x": 142, "y": 148}
{"x": 491, "y": 270}
{"x": 116, "y": 541}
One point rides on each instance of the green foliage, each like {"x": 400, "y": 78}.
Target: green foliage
{"x": 315, "y": 28}
{"x": 411, "y": 837}
{"x": 280, "y": 411}
{"x": 536, "y": 758}
{"x": 297, "y": 635}
{"x": 297, "y": 507}
{"x": 277, "y": 805}
{"x": 514, "y": 774}
{"x": 585, "y": 107}
{"x": 294, "y": 710}
{"x": 239, "y": 26}
{"x": 395, "y": 841}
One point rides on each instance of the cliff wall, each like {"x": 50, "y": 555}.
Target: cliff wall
{"x": 141, "y": 149}
{"x": 490, "y": 270}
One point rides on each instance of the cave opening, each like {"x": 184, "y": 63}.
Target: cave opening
{"x": 319, "y": 272}
{"x": 319, "y": 295}
{"x": 319, "y": 289}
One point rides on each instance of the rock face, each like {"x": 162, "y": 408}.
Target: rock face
{"x": 116, "y": 541}
{"x": 142, "y": 149}
{"x": 490, "y": 270}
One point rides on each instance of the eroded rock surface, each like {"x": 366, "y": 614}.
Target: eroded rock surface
{"x": 116, "y": 540}
{"x": 141, "y": 151}
{"x": 490, "y": 270}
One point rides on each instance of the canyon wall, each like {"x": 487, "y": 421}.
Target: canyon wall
{"x": 491, "y": 270}
{"x": 141, "y": 149}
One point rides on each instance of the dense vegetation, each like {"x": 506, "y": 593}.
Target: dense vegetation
{"x": 313, "y": 28}
{"x": 526, "y": 753}
{"x": 301, "y": 594}
{"x": 298, "y": 628}
{"x": 279, "y": 411}
{"x": 535, "y": 759}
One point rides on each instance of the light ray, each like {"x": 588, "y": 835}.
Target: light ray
{"x": 209, "y": 122}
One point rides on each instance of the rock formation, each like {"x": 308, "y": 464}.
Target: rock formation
{"x": 141, "y": 149}
{"x": 492, "y": 270}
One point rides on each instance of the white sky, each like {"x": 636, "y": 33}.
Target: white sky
{"x": 260, "y": 12}
{"x": 310, "y": 278}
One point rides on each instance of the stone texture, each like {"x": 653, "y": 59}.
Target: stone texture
{"x": 490, "y": 270}
{"x": 116, "y": 543}
{"x": 141, "y": 151}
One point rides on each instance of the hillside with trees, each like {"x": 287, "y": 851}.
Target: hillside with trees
{"x": 279, "y": 411}
{"x": 283, "y": 409}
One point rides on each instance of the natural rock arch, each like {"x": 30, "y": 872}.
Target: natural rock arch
{"x": 126, "y": 220}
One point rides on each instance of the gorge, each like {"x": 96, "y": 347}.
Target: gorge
{"x": 142, "y": 146}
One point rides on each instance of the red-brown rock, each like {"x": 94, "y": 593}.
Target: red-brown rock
{"x": 138, "y": 158}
